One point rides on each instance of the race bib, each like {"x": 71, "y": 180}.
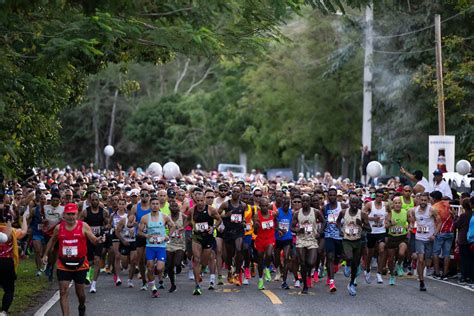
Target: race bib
{"x": 396, "y": 229}
{"x": 332, "y": 218}
{"x": 236, "y": 218}
{"x": 248, "y": 227}
{"x": 70, "y": 251}
{"x": 201, "y": 227}
{"x": 308, "y": 228}
{"x": 176, "y": 234}
{"x": 351, "y": 230}
{"x": 156, "y": 239}
{"x": 318, "y": 226}
{"x": 267, "y": 224}
{"x": 95, "y": 230}
{"x": 284, "y": 226}
{"x": 423, "y": 229}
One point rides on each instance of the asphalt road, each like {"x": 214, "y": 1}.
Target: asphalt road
{"x": 402, "y": 299}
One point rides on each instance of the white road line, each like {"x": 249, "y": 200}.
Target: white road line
{"x": 47, "y": 306}
{"x": 454, "y": 284}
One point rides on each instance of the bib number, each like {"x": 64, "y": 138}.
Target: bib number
{"x": 176, "y": 234}
{"x": 423, "y": 229}
{"x": 156, "y": 239}
{"x": 95, "y": 230}
{"x": 236, "y": 218}
{"x": 332, "y": 218}
{"x": 267, "y": 225}
{"x": 248, "y": 227}
{"x": 70, "y": 251}
{"x": 201, "y": 227}
{"x": 308, "y": 228}
{"x": 284, "y": 226}
{"x": 352, "y": 230}
{"x": 396, "y": 229}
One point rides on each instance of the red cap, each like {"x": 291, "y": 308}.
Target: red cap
{"x": 70, "y": 208}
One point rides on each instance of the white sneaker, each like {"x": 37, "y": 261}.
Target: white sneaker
{"x": 277, "y": 276}
{"x": 379, "y": 278}
{"x": 368, "y": 277}
{"x": 245, "y": 281}
{"x": 297, "y": 284}
{"x": 130, "y": 283}
{"x": 3, "y": 313}
{"x": 93, "y": 287}
{"x": 191, "y": 275}
{"x": 144, "y": 287}
{"x": 38, "y": 274}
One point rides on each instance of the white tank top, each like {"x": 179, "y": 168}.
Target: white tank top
{"x": 378, "y": 227}
{"x": 425, "y": 226}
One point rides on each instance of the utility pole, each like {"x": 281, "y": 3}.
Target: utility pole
{"x": 369, "y": 50}
{"x": 439, "y": 77}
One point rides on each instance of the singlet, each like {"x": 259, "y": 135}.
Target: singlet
{"x": 201, "y": 222}
{"x": 177, "y": 238}
{"x": 166, "y": 209}
{"x": 141, "y": 212}
{"x": 378, "y": 227}
{"x": 156, "y": 232}
{"x": 308, "y": 222}
{"x": 233, "y": 223}
{"x": 116, "y": 218}
{"x": 406, "y": 206}
{"x": 53, "y": 216}
{"x": 37, "y": 222}
{"x": 350, "y": 228}
{"x": 95, "y": 220}
{"x": 401, "y": 220}
{"x": 266, "y": 229}
{"x": 6, "y": 249}
{"x": 425, "y": 226}
{"x": 128, "y": 231}
{"x": 284, "y": 222}
{"x": 248, "y": 215}
{"x": 331, "y": 230}
{"x": 72, "y": 246}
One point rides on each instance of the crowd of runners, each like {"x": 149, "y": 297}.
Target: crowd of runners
{"x": 217, "y": 229}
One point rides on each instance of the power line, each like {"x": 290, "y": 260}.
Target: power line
{"x": 403, "y": 52}
{"x": 424, "y": 28}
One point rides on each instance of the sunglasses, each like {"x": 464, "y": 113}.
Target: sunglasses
{"x": 209, "y": 197}
{"x": 407, "y": 190}
{"x": 144, "y": 195}
{"x": 296, "y": 201}
{"x": 258, "y": 195}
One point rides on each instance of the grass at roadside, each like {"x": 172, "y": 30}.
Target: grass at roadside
{"x": 27, "y": 287}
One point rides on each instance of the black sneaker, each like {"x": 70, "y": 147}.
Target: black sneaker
{"x": 285, "y": 286}
{"x": 160, "y": 285}
{"x": 444, "y": 277}
{"x": 305, "y": 290}
{"x": 436, "y": 276}
{"x": 82, "y": 310}
{"x": 172, "y": 289}
{"x": 422, "y": 287}
{"x": 462, "y": 281}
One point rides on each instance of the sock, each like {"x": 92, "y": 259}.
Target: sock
{"x": 212, "y": 278}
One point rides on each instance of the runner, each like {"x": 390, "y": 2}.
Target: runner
{"x": 53, "y": 214}
{"x": 153, "y": 228}
{"x": 284, "y": 239}
{"x": 223, "y": 197}
{"x": 426, "y": 220}
{"x": 445, "y": 235}
{"x": 396, "y": 223}
{"x": 204, "y": 220}
{"x": 126, "y": 231}
{"x": 232, "y": 214}
{"x": 249, "y": 237}
{"x": 114, "y": 220}
{"x": 264, "y": 223}
{"x": 71, "y": 235}
{"x": 317, "y": 203}
{"x": 354, "y": 222}
{"x": 98, "y": 220}
{"x": 141, "y": 209}
{"x": 35, "y": 219}
{"x": 177, "y": 244}
{"x": 377, "y": 211}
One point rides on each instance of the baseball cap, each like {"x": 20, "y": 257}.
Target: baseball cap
{"x": 133, "y": 192}
{"x": 437, "y": 172}
{"x": 171, "y": 193}
{"x": 91, "y": 188}
{"x": 70, "y": 208}
{"x": 41, "y": 186}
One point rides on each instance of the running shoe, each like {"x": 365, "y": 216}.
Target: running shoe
{"x": 172, "y": 289}
{"x": 400, "y": 271}
{"x": 316, "y": 276}
{"x": 197, "y": 290}
{"x": 347, "y": 271}
{"x": 130, "y": 283}
{"x": 154, "y": 290}
{"x": 309, "y": 283}
{"x": 212, "y": 286}
{"x": 247, "y": 273}
{"x": 107, "y": 270}
{"x": 332, "y": 287}
{"x": 93, "y": 288}
{"x": 297, "y": 284}
{"x": 220, "y": 280}
{"x": 368, "y": 277}
{"x": 118, "y": 282}
{"x": 304, "y": 290}
{"x": 444, "y": 277}
{"x": 285, "y": 286}
{"x": 144, "y": 287}
{"x": 267, "y": 275}
{"x": 82, "y": 310}
{"x": 422, "y": 287}
{"x": 277, "y": 275}
{"x": 391, "y": 281}
{"x": 39, "y": 273}
{"x": 237, "y": 280}
{"x": 261, "y": 285}
{"x": 245, "y": 281}
{"x": 190, "y": 274}
{"x": 160, "y": 285}
{"x": 351, "y": 289}
{"x": 379, "y": 278}
{"x": 328, "y": 281}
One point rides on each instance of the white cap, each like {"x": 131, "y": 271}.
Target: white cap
{"x": 41, "y": 186}
{"x": 134, "y": 192}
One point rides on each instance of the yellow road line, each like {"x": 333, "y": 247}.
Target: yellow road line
{"x": 272, "y": 297}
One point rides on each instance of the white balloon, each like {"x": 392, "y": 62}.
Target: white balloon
{"x": 155, "y": 170}
{"x": 463, "y": 167}
{"x": 3, "y": 238}
{"x": 171, "y": 170}
{"x": 374, "y": 169}
{"x": 109, "y": 150}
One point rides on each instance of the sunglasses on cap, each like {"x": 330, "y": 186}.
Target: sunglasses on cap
{"x": 144, "y": 195}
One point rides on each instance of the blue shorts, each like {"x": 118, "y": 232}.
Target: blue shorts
{"x": 38, "y": 237}
{"x": 155, "y": 253}
{"x": 442, "y": 244}
{"x": 424, "y": 247}
{"x": 248, "y": 240}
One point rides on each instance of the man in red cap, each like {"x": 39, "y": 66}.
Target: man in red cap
{"x": 71, "y": 235}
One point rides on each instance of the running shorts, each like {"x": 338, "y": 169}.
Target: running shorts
{"x": 155, "y": 253}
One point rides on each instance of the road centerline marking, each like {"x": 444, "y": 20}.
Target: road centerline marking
{"x": 272, "y": 296}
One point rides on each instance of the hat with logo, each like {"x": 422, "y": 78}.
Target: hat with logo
{"x": 70, "y": 208}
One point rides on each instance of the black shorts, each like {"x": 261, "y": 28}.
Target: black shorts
{"x": 280, "y": 244}
{"x": 206, "y": 242}
{"x": 94, "y": 251}
{"x": 140, "y": 242}
{"x": 230, "y": 237}
{"x": 375, "y": 239}
{"x": 125, "y": 250}
{"x": 332, "y": 245}
{"x": 393, "y": 242}
{"x": 79, "y": 277}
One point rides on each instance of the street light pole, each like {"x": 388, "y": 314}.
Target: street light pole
{"x": 439, "y": 77}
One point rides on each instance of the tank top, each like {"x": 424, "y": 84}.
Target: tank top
{"x": 406, "y": 206}
{"x": 202, "y": 221}
{"x": 72, "y": 245}
{"x": 233, "y": 223}
{"x": 6, "y": 249}
{"x": 248, "y": 215}
{"x": 284, "y": 222}
{"x": 331, "y": 215}
{"x": 378, "y": 227}
{"x": 156, "y": 232}
{"x": 425, "y": 226}
{"x": 266, "y": 229}
{"x": 53, "y": 216}
{"x": 308, "y": 222}
{"x": 37, "y": 222}
{"x": 116, "y": 218}
{"x": 401, "y": 223}
{"x": 141, "y": 212}
{"x": 177, "y": 238}
{"x": 128, "y": 231}
{"x": 350, "y": 228}
{"x": 95, "y": 220}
